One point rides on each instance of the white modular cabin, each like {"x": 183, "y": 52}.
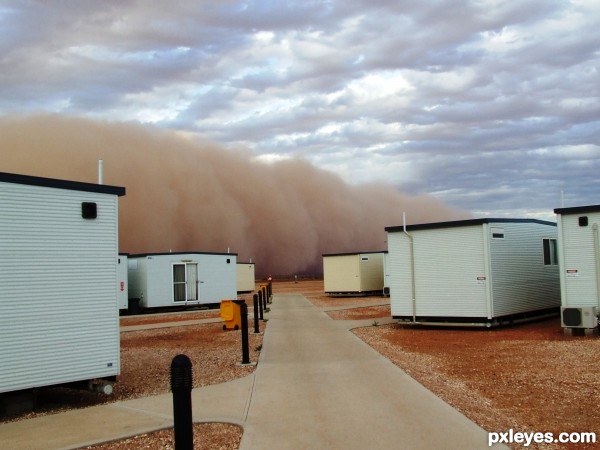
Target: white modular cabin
{"x": 579, "y": 262}
{"x": 353, "y": 273}
{"x": 246, "y": 277}
{"x": 160, "y": 280}
{"x": 59, "y": 316}
{"x": 473, "y": 272}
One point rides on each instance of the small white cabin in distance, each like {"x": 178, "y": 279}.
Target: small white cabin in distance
{"x": 245, "y": 277}
{"x": 159, "y": 280}
{"x": 579, "y": 262}
{"x": 473, "y": 272}
{"x": 353, "y": 273}
{"x": 59, "y": 317}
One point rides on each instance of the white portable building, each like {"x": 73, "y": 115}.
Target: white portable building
{"x": 59, "y": 317}
{"x": 476, "y": 272}
{"x": 245, "y": 277}
{"x": 353, "y": 273}
{"x": 579, "y": 262}
{"x": 161, "y": 280}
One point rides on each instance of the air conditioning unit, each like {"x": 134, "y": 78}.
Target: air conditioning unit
{"x": 579, "y": 317}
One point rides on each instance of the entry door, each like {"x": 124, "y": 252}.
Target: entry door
{"x": 185, "y": 282}
{"x": 192, "y": 282}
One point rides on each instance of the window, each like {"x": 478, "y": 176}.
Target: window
{"x": 185, "y": 282}
{"x": 550, "y": 252}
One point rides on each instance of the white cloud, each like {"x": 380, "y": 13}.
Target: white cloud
{"x": 481, "y": 102}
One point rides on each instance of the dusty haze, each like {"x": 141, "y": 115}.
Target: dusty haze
{"x": 187, "y": 195}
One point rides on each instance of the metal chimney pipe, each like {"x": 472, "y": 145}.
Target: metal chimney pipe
{"x": 100, "y": 171}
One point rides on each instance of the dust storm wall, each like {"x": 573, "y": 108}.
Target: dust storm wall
{"x": 184, "y": 194}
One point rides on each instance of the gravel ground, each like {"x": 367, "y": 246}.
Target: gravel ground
{"x": 528, "y": 377}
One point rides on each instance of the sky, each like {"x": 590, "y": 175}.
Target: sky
{"x": 489, "y": 106}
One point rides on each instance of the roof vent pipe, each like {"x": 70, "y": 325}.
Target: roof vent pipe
{"x": 100, "y": 171}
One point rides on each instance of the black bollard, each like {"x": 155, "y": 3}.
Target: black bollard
{"x": 244, "y": 317}
{"x": 260, "y": 306}
{"x": 270, "y": 292}
{"x": 256, "y": 327}
{"x": 181, "y": 386}
{"x": 264, "y": 291}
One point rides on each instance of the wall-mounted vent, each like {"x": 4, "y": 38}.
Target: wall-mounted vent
{"x": 89, "y": 210}
{"x": 583, "y": 221}
{"x": 579, "y": 317}
{"x": 497, "y": 233}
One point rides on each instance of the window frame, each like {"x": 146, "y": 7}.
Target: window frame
{"x": 550, "y": 251}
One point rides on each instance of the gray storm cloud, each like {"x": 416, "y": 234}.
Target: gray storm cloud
{"x": 184, "y": 194}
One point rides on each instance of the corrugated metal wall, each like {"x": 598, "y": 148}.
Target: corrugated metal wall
{"x": 399, "y": 269}
{"x": 521, "y": 281}
{"x": 245, "y": 277}
{"x": 449, "y": 266}
{"x": 450, "y": 275}
{"x": 577, "y": 258}
{"x": 341, "y": 273}
{"x": 58, "y": 279}
{"x": 371, "y": 272}
{"x": 217, "y": 278}
{"x": 137, "y": 279}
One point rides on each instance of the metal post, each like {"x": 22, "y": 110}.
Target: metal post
{"x": 244, "y": 317}
{"x": 181, "y": 386}
{"x": 270, "y": 292}
{"x": 260, "y": 309}
{"x": 264, "y": 291}
{"x": 256, "y": 327}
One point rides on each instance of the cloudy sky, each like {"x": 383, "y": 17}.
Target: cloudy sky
{"x": 489, "y": 105}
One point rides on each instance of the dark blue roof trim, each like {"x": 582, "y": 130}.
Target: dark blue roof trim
{"x": 139, "y": 255}
{"x": 577, "y": 209}
{"x": 61, "y": 184}
{"x": 353, "y": 253}
{"x": 464, "y": 223}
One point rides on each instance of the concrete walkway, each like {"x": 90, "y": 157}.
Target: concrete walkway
{"x": 316, "y": 386}
{"x": 319, "y": 386}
